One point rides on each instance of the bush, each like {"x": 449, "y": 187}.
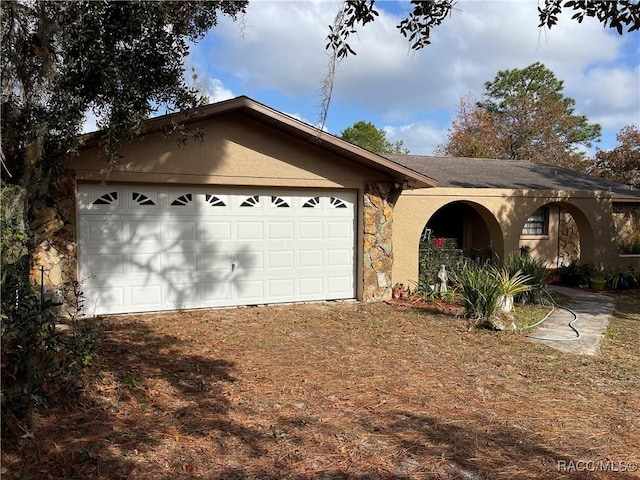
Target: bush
{"x": 536, "y": 271}
{"x": 37, "y": 359}
{"x": 483, "y": 288}
{"x": 432, "y": 255}
{"x": 575, "y": 275}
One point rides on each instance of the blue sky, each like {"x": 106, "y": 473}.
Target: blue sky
{"x": 276, "y": 55}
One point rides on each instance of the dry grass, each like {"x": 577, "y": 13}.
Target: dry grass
{"x": 339, "y": 391}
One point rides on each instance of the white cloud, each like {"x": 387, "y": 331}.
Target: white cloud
{"x": 421, "y": 138}
{"x": 280, "y": 47}
{"x": 214, "y": 89}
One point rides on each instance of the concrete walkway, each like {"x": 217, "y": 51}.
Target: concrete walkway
{"x": 593, "y": 309}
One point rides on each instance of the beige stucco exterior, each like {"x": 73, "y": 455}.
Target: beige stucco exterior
{"x": 232, "y": 151}
{"x": 246, "y": 144}
{"x": 504, "y": 213}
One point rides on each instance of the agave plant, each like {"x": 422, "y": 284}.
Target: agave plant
{"x": 487, "y": 289}
{"x": 510, "y": 286}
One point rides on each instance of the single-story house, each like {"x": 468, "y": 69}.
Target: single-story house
{"x": 263, "y": 208}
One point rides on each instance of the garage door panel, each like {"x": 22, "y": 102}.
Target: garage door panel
{"x": 340, "y": 286}
{"x": 339, "y": 230}
{"x": 311, "y": 258}
{"x": 249, "y": 230}
{"x": 310, "y": 230}
{"x": 104, "y": 230}
{"x": 282, "y": 289}
{"x": 181, "y": 231}
{"x": 248, "y": 260}
{"x": 148, "y": 296}
{"x": 144, "y": 231}
{"x": 215, "y": 293}
{"x": 105, "y": 299}
{"x": 311, "y": 287}
{"x": 143, "y": 263}
{"x": 339, "y": 258}
{"x": 281, "y": 230}
{"x": 169, "y": 247}
{"x": 179, "y": 261}
{"x": 105, "y": 264}
{"x": 281, "y": 259}
{"x": 250, "y": 290}
{"x": 211, "y": 231}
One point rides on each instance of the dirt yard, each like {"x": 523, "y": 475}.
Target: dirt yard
{"x": 340, "y": 391}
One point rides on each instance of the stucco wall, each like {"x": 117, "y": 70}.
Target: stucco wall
{"x": 505, "y": 212}
{"x": 234, "y": 150}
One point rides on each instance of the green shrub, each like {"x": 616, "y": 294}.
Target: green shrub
{"x": 536, "y": 271}
{"x": 37, "y": 359}
{"x": 483, "y": 287}
{"x": 480, "y": 291}
{"x": 575, "y": 274}
{"x": 431, "y": 257}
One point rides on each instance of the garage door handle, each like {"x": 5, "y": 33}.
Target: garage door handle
{"x": 233, "y": 267}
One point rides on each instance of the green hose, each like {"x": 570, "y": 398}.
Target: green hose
{"x": 554, "y": 305}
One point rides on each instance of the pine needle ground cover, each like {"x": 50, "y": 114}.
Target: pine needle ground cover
{"x": 340, "y": 391}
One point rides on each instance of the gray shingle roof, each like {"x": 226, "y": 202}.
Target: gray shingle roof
{"x": 460, "y": 172}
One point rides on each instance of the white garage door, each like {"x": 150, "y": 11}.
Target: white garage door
{"x": 148, "y": 248}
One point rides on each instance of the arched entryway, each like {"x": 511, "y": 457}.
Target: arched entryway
{"x": 559, "y": 233}
{"x": 458, "y": 229}
{"x": 467, "y": 226}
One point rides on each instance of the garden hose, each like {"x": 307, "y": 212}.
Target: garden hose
{"x": 554, "y": 305}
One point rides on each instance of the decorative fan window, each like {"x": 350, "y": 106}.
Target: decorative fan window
{"x": 182, "y": 200}
{"x": 313, "y": 202}
{"x": 252, "y": 201}
{"x": 107, "y": 199}
{"x": 337, "y": 203}
{"x": 279, "y": 202}
{"x": 214, "y": 201}
{"x": 141, "y": 199}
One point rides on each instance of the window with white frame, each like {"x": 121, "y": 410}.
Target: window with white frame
{"x": 537, "y": 223}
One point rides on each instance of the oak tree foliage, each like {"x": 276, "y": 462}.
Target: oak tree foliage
{"x": 417, "y": 26}
{"x": 523, "y": 116}
{"x": 120, "y": 61}
{"x": 622, "y": 163}
{"x": 367, "y": 135}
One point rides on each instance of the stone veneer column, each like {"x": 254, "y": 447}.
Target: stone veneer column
{"x": 55, "y": 231}
{"x": 379, "y": 200}
{"x": 568, "y": 239}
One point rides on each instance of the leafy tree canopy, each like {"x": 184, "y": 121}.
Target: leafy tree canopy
{"x": 525, "y": 116}
{"x": 118, "y": 60}
{"x": 427, "y": 14}
{"x": 622, "y": 163}
{"x": 366, "y": 135}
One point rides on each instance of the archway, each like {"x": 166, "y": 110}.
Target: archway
{"x": 558, "y": 233}
{"x": 458, "y": 229}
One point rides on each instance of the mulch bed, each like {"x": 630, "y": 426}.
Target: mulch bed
{"x": 336, "y": 391}
{"x": 436, "y": 306}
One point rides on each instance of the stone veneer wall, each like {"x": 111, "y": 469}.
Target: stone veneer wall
{"x": 626, "y": 218}
{"x": 568, "y": 239}
{"x": 55, "y": 231}
{"x": 379, "y": 200}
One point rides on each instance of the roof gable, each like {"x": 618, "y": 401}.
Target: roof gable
{"x": 243, "y": 105}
